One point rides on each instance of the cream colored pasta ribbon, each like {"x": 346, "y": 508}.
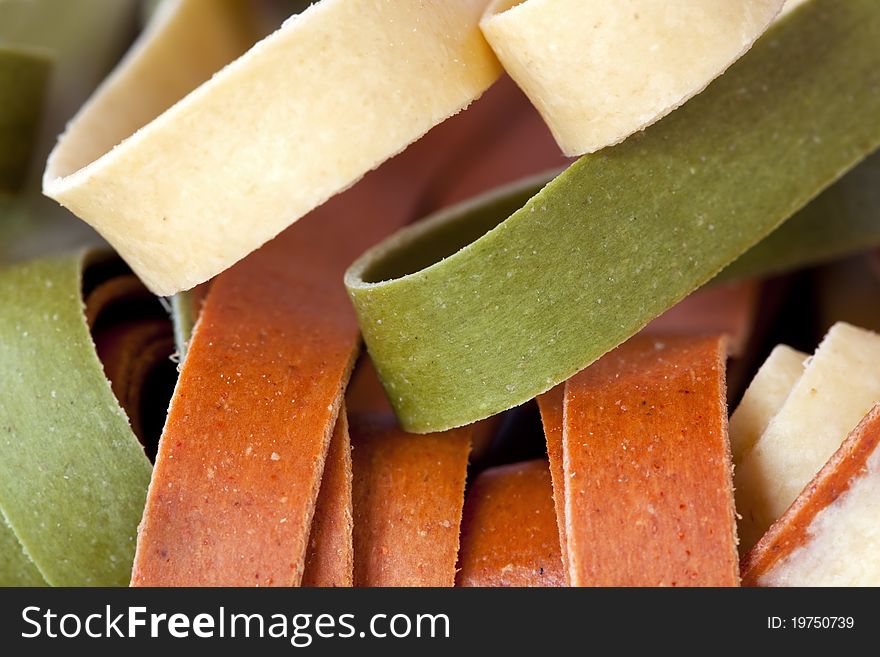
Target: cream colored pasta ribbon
{"x": 600, "y": 70}
{"x": 185, "y": 176}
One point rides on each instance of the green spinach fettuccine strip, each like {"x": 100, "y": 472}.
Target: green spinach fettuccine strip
{"x": 621, "y": 235}
{"x": 24, "y": 75}
{"x": 842, "y": 219}
{"x": 16, "y": 568}
{"x": 82, "y": 39}
{"x": 73, "y": 477}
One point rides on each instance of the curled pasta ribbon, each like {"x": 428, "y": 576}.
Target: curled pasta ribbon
{"x": 599, "y": 71}
{"x": 508, "y": 532}
{"x": 73, "y": 476}
{"x": 486, "y": 305}
{"x": 252, "y": 484}
{"x": 222, "y": 166}
{"x": 639, "y": 455}
{"x": 407, "y": 499}
{"x": 647, "y": 488}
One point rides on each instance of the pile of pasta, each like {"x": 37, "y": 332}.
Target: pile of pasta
{"x": 439, "y": 293}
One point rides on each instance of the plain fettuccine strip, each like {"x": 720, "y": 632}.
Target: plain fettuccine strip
{"x": 508, "y": 531}
{"x": 600, "y": 71}
{"x": 763, "y": 398}
{"x": 648, "y": 493}
{"x": 828, "y": 536}
{"x": 181, "y": 48}
{"x": 304, "y": 114}
{"x": 838, "y": 386}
